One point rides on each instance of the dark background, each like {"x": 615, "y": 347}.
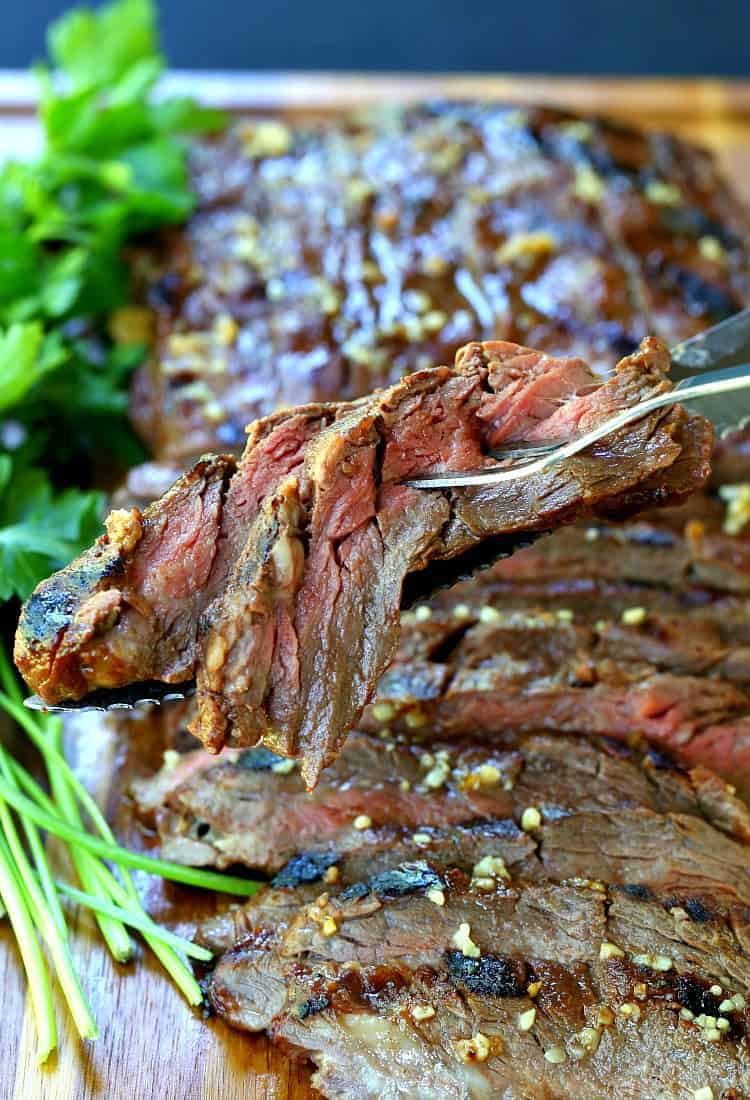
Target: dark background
{"x": 543, "y": 36}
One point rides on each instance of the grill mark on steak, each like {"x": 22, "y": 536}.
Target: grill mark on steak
{"x": 604, "y": 816}
{"x": 384, "y": 959}
{"x": 297, "y": 614}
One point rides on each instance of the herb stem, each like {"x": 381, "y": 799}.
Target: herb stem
{"x": 136, "y": 920}
{"x": 36, "y": 848}
{"x": 57, "y": 943}
{"x": 31, "y": 954}
{"x": 176, "y": 872}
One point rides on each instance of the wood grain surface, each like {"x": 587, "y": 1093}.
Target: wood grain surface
{"x": 151, "y": 1044}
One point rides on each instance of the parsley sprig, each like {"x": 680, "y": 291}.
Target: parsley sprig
{"x": 113, "y": 168}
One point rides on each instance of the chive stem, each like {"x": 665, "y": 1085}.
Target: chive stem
{"x": 175, "y": 872}
{"x": 142, "y": 923}
{"x": 57, "y": 943}
{"x": 31, "y": 955}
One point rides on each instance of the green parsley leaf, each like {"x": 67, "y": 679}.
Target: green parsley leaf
{"x": 100, "y": 48}
{"x": 40, "y": 530}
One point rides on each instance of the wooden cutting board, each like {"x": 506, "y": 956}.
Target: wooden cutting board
{"x": 151, "y": 1043}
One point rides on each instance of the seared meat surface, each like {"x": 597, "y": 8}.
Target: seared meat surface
{"x": 279, "y": 583}
{"x": 461, "y": 800}
{"x": 326, "y": 259}
{"x": 521, "y": 990}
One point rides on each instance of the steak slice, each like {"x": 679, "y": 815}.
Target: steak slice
{"x": 461, "y": 800}
{"x": 528, "y": 991}
{"x": 318, "y": 540}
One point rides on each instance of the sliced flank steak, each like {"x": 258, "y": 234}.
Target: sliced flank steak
{"x": 457, "y": 802}
{"x": 418, "y": 982}
{"x": 279, "y": 584}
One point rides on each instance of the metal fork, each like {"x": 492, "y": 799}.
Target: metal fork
{"x": 707, "y": 370}
{"x": 725, "y": 348}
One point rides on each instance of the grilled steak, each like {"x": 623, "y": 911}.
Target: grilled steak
{"x": 326, "y": 259}
{"x": 461, "y": 800}
{"x": 292, "y": 613}
{"x": 526, "y": 991}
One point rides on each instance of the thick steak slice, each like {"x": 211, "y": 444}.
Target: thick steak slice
{"x": 296, "y": 614}
{"x": 529, "y": 991}
{"x": 140, "y": 587}
{"x": 460, "y": 800}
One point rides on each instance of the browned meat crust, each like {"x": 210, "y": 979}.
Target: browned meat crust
{"x": 283, "y": 592}
{"x": 325, "y": 259}
{"x": 528, "y": 991}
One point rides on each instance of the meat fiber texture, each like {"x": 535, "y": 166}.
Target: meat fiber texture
{"x": 278, "y": 582}
{"x": 418, "y": 983}
{"x": 599, "y": 931}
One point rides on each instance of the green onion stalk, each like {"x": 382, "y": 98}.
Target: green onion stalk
{"x": 32, "y": 896}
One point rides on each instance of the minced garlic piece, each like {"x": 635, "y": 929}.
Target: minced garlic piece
{"x": 490, "y": 867}
{"x": 686, "y": 1014}
{"x": 611, "y": 951}
{"x": 331, "y": 875}
{"x": 486, "y": 885}
{"x": 268, "y": 138}
{"x": 526, "y": 246}
{"x": 421, "y": 839}
{"x": 704, "y": 1093}
{"x": 422, "y": 613}
{"x": 383, "y": 712}
{"x": 556, "y": 1055}
{"x": 605, "y": 1017}
{"x": 435, "y": 895}
{"x": 565, "y": 615}
{"x": 124, "y": 528}
{"x": 328, "y": 927}
{"x": 634, "y": 616}
{"x": 589, "y": 1038}
{"x": 653, "y": 962}
{"x": 489, "y": 615}
{"x": 711, "y": 249}
{"x": 423, "y": 1012}
{"x": 527, "y": 1019}
{"x": 488, "y": 775}
{"x": 663, "y": 194}
{"x": 737, "y": 500}
{"x": 630, "y": 1011}
{"x": 716, "y": 990}
{"x": 439, "y": 770}
{"x": 587, "y": 185}
{"x": 170, "y": 758}
{"x": 225, "y": 329}
{"x": 476, "y": 1049}
{"x": 465, "y": 944}
{"x": 462, "y": 611}
{"x": 404, "y": 785}
{"x": 435, "y": 320}
{"x": 530, "y": 819}
{"x": 362, "y": 821}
